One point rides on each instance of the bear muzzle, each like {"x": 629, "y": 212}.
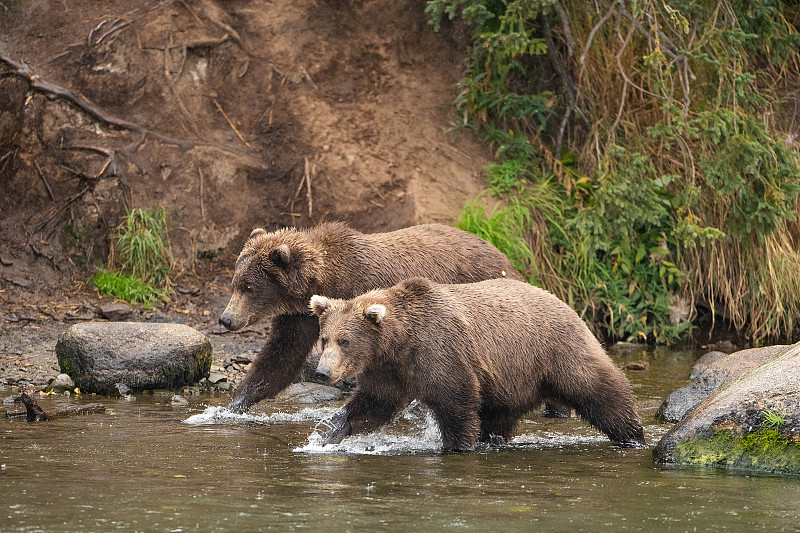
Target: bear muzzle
{"x": 323, "y": 374}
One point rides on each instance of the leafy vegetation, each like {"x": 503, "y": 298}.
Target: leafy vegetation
{"x": 647, "y": 156}
{"x": 141, "y": 253}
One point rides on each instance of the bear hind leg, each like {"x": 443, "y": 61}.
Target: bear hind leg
{"x": 497, "y": 424}
{"x": 607, "y": 404}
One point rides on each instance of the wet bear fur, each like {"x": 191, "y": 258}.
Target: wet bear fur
{"x": 277, "y": 273}
{"x": 479, "y": 355}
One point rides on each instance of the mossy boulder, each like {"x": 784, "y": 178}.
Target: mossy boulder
{"x": 143, "y": 356}
{"x": 752, "y": 423}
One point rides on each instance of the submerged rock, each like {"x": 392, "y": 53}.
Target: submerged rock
{"x": 750, "y": 423}
{"x": 61, "y": 383}
{"x": 305, "y": 392}
{"x": 142, "y": 356}
{"x": 710, "y": 372}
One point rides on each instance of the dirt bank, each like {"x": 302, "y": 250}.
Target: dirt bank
{"x": 232, "y": 114}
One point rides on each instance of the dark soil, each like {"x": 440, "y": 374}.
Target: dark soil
{"x": 231, "y": 114}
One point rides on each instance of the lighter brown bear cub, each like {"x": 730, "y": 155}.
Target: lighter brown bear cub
{"x": 479, "y": 355}
{"x": 277, "y": 273}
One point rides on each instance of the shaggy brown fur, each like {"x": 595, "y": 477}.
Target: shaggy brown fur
{"x": 277, "y": 273}
{"x": 480, "y": 355}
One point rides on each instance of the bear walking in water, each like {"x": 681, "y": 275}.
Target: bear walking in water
{"x": 479, "y": 355}
{"x": 277, "y": 273}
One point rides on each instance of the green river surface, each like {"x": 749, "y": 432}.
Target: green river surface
{"x": 150, "y": 465}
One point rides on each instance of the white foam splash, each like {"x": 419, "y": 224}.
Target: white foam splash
{"x": 223, "y": 416}
{"x": 551, "y": 439}
{"x": 413, "y": 431}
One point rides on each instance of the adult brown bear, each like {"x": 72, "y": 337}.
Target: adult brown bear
{"x": 479, "y": 355}
{"x": 277, "y": 273}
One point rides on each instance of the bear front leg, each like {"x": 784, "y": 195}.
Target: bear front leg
{"x": 363, "y": 413}
{"x": 335, "y": 428}
{"x": 279, "y": 362}
{"x": 455, "y": 406}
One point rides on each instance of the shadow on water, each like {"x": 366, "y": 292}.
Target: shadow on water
{"x": 147, "y": 465}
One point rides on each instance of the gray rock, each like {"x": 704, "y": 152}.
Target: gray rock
{"x": 121, "y": 389}
{"x": 704, "y": 362}
{"x": 638, "y": 365}
{"x": 143, "y": 356}
{"x": 61, "y": 383}
{"x": 216, "y": 377}
{"x": 116, "y": 312}
{"x": 305, "y": 392}
{"x": 750, "y": 423}
{"x": 711, "y": 371}
{"x": 178, "y": 400}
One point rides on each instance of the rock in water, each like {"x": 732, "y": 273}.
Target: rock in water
{"x": 710, "y": 372}
{"x": 143, "y": 356}
{"x": 61, "y": 383}
{"x": 750, "y": 423}
{"x": 305, "y": 392}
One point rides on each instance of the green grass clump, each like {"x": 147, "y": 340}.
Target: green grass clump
{"x": 141, "y": 257}
{"x": 126, "y": 287}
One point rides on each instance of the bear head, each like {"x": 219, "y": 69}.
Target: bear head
{"x": 350, "y": 334}
{"x": 276, "y": 273}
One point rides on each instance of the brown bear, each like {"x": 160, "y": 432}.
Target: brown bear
{"x": 479, "y": 355}
{"x": 277, "y": 273}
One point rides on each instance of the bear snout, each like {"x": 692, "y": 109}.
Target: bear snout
{"x": 323, "y": 374}
{"x": 226, "y": 321}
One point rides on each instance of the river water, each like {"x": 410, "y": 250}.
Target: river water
{"x": 149, "y": 464}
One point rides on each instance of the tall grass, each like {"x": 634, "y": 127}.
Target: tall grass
{"x": 140, "y": 259}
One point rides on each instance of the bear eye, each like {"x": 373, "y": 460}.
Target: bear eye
{"x": 344, "y": 343}
{"x": 248, "y": 288}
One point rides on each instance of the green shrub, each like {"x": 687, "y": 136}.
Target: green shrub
{"x": 674, "y": 181}
{"x": 142, "y": 257}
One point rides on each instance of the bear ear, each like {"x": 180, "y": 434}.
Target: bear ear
{"x": 319, "y": 304}
{"x": 280, "y": 255}
{"x": 256, "y": 232}
{"x": 375, "y": 313}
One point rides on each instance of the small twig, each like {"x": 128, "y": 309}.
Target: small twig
{"x": 625, "y": 85}
{"x": 555, "y": 59}
{"x": 118, "y": 25}
{"x": 110, "y": 160}
{"x": 44, "y": 180}
{"x": 309, "y": 170}
{"x": 202, "y": 205}
{"x": 562, "y": 128}
{"x": 174, "y": 88}
{"x": 230, "y": 123}
{"x": 95, "y": 30}
{"x": 595, "y": 29}
{"x": 567, "y": 31}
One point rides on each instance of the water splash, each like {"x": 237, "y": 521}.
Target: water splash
{"x": 217, "y": 415}
{"x": 413, "y": 431}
